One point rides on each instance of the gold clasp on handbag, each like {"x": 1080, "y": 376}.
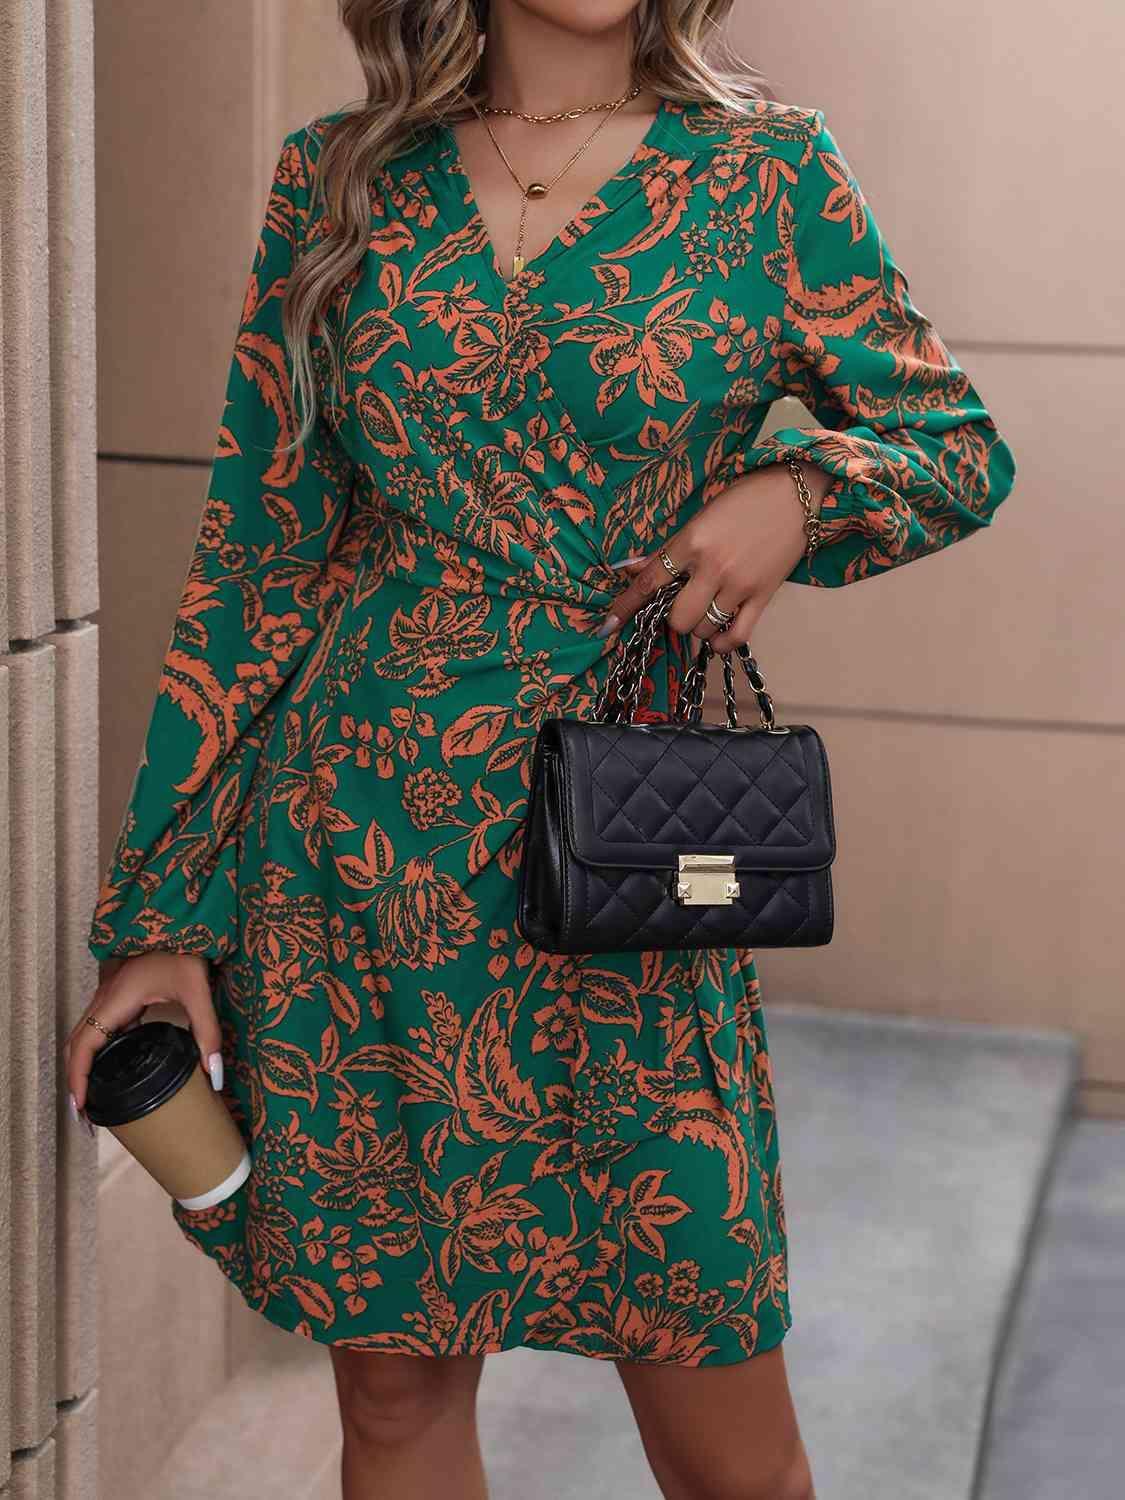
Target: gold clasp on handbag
{"x": 706, "y": 880}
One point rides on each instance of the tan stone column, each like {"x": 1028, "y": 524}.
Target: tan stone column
{"x": 48, "y": 741}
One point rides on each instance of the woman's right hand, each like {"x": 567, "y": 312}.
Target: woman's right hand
{"x": 119, "y": 1001}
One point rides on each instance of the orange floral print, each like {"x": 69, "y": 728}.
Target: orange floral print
{"x": 461, "y": 1144}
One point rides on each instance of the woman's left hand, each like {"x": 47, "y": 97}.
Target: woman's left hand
{"x": 739, "y": 549}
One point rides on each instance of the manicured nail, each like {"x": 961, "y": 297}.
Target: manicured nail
{"x": 73, "y": 1103}
{"x": 625, "y": 561}
{"x": 215, "y": 1068}
{"x": 608, "y": 626}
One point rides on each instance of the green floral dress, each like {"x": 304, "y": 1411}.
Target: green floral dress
{"x": 462, "y": 1144}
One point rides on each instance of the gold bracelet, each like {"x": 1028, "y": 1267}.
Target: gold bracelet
{"x": 812, "y": 519}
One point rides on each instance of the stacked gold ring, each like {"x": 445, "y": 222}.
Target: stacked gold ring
{"x": 719, "y": 616}
{"x": 91, "y": 1021}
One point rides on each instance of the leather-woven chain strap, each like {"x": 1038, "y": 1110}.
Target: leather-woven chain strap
{"x": 617, "y": 701}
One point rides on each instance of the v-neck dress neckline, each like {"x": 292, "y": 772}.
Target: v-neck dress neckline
{"x": 449, "y": 166}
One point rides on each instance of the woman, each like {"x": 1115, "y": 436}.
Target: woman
{"x": 458, "y": 414}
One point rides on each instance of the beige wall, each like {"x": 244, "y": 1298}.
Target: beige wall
{"x": 972, "y": 704}
{"x": 48, "y": 735}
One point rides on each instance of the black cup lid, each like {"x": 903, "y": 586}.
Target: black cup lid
{"x": 138, "y": 1070}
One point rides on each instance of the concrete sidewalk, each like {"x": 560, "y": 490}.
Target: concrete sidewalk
{"x": 1058, "y": 1429}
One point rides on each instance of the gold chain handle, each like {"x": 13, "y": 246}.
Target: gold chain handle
{"x": 617, "y": 701}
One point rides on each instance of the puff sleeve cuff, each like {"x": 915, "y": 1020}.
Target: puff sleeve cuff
{"x": 917, "y": 460}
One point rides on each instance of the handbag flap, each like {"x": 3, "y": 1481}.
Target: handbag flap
{"x": 638, "y": 795}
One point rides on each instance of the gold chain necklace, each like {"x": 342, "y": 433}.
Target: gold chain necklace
{"x": 562, "y": 114}
{"x": 540, "y": 189}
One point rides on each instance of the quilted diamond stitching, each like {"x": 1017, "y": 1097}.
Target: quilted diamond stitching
{"x": 674, "y": 817}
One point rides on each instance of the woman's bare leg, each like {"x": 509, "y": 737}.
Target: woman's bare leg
{"x": 720, "y": 1432}
{"x": 409, "y": 1425}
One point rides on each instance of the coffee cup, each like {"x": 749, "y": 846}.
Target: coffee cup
{"x": 147, "y": 1088}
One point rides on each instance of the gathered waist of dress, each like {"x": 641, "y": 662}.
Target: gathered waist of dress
{"x": 484, "y": 670}
{"x": 415, "y": 625}
{"x": 397, "y": 547}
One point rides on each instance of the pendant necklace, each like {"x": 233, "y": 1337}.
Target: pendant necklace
{"x": 540, "y": 189}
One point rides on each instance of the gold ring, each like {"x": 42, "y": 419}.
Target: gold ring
{"x": 91, "y": 1021}
{"x": 718, "y": 616}
{"x": 668, "y": 563}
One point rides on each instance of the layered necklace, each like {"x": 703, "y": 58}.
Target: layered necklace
{"x": 541, "y": 189}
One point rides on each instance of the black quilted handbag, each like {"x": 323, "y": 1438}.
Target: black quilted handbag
{"x": 676, "y": 834}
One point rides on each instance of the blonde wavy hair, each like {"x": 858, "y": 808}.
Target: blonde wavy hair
{"x": 422, "y": 60}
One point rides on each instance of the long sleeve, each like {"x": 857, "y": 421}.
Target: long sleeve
{"x": 265, "y": 573}
{"x": 917, "y": 459}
